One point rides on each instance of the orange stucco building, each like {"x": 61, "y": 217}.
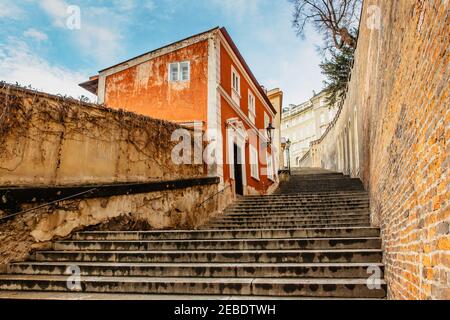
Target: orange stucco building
{"x": 202, "y": 80}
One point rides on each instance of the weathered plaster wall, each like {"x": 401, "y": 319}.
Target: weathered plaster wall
{"x": 46, "y": 141}
{"x": 393, "y": 132}
{"x": 178, "y": 209}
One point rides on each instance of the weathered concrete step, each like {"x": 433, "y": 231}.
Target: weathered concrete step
{"x": 302, "y": 203}
{"x": 288, "y": 222}
{"x": 313, "y": 200}
{"x": 292, "y": 222}
{"x": 317, "y": 201}
{"x": 232, "y": 256}
{"x": 312, "y": 195}
{"x": 314, "y": 177}
{"x": 313, "y": 184}
{"x": 288, "y": 216}
{"x": 212, "y": 270}
{"x": 55, "y": 296}
{"x": 285, "y": 225}
{"x": 229, "y": 244}
{"x": 235, "y": 234}
{"x": 347, "y": 288}
{"x": 322, "y": 185}
{"x": 299, "y": 207}
{"x": 281, "y": 212}
{"x": 293, "y": 211}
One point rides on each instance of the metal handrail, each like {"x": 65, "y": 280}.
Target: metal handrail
{"x": 214, "y": 195}
{"x": 47, "y": 204}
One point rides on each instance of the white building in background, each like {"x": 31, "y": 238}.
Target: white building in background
{"x": 304, "y": 123}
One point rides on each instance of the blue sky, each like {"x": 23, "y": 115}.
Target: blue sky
{"x": 37, "y": 48}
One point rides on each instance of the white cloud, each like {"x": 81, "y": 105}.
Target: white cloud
{"x": 19, "y": 64}
{"x": 262, "y": 30}
{"x": 9, "y": 10}
{"x": 100, "y": 34}
{"x": 35, "y": 34}
{"x": 57, "y": 9}
{"x": 125, "y": 5}
{"x": 238, "y": 9}
{"x": 149, "y": 5}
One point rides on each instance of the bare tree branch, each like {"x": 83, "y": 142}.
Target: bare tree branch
{"x": 336, "y": 20}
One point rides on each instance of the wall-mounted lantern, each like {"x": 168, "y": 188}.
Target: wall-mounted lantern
{"x": 269, "y": 130}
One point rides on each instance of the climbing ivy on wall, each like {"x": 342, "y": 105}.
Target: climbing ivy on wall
{"x": 44, "y": 118}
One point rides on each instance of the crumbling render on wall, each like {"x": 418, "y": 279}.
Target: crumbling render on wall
{"x": 46, "y": 140}
{"x": 49, "y": 141}
{"x": 173, "y": 209}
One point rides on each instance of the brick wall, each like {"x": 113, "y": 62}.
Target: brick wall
{"x": 393, "y": 132}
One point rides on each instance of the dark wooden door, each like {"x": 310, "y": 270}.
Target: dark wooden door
{"x": 238, "y": 171}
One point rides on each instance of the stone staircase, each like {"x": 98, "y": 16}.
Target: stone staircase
{"x": 312, "y": 239}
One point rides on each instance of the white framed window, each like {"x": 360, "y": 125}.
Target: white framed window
{"x": 251, "y": 107}
{"x": 185, "y": 71}
{"x": 235, "y": 86}
{"x": 174, "y": 72}
{"x": 270, "y": 174}
{"x": 179, "y": 71}
{"x": 254, "y": 162}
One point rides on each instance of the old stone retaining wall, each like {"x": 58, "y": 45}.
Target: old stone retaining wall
{"x": 393, "y": 132}
{"x": 51, "y": 142}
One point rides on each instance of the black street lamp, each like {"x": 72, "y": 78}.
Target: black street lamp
{"x": 269, "y": 130}
{"x": 288, "y": 146}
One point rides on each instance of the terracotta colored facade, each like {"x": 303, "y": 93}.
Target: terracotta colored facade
{"x": 203, "y": 94}
{"x": 145, "y": 88}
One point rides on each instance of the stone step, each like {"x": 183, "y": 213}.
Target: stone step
{"x": 344, "y": 288}
{"x": 287, "y": 224}
{"x": 229, "y": 244}
{"x": 300, "y": 212}
{"x": 302, "y": 203}
{"x": 230, "y": 256}
{"x": 314, "y": 186}
{"x": 235, "y": 234}
{"x": 295, "y": 221}
{"x": 297, "y": 212}
{"x": 311, "y": 195}
{"x": 305, "y": 198}
{"x": 288, "y": 216}
{"x": 289, "y": 210}
{"x": 318, "y": 189}
{"x": 298, "y": 207}
{"x": 211, "y": 270}
{"x": 64, "y": 296}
